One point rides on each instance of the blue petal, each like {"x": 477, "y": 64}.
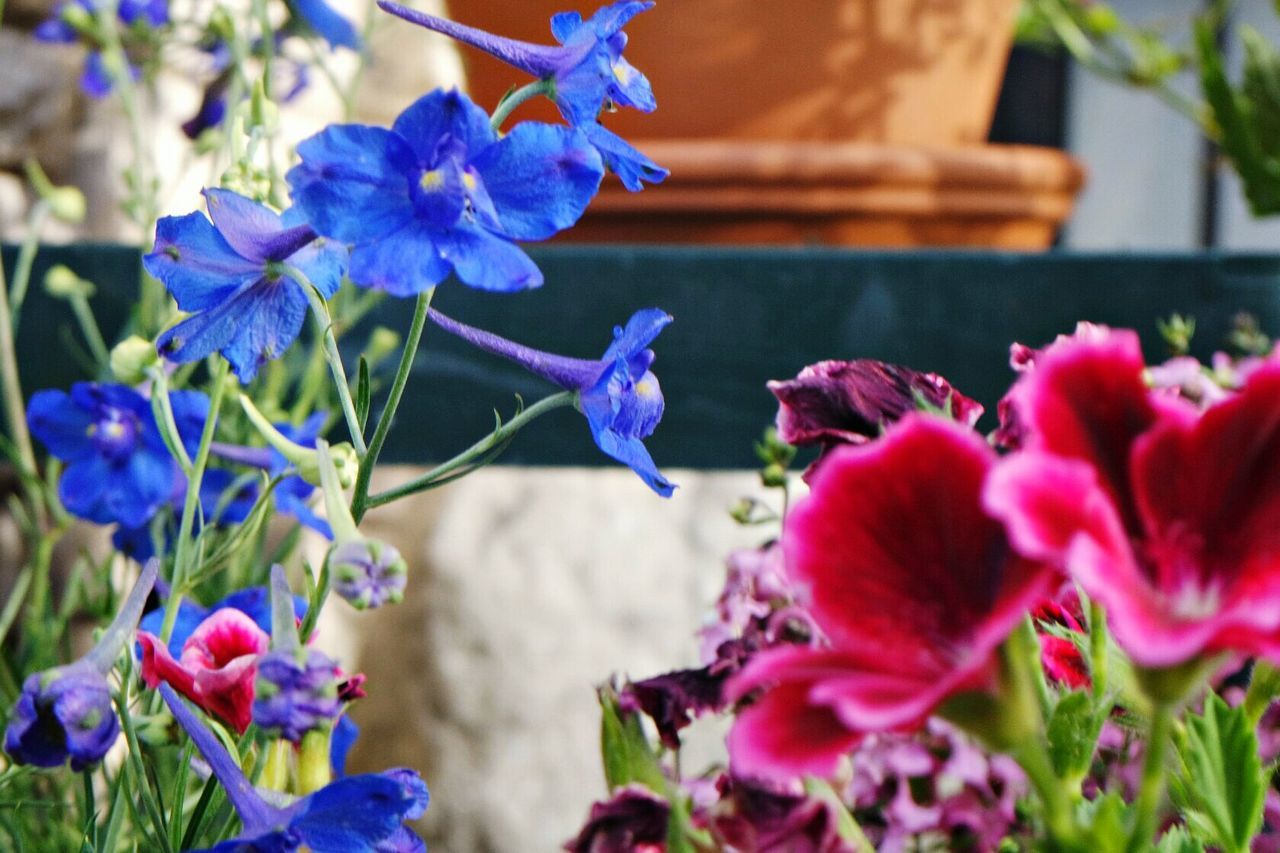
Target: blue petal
{"x": 226, "y": 498}
{"x": 55, "y": 30}
{"x": 324, "y": 261}
{"x": 252, "y": 327}
{"x": 345, "y": 732}
{"x": 151, "y": 481}
{"x": 640, "y": 331}
{"x": 353, "y": 182}
{"x": 199, "y": 267}
{"x": 630, "y": 88}
{"x": 254, "y": 230}
{"x": 352, "y": 814}
{"x": 610, "y": 19}
{"x": 293, "y": 496}
{"x": 427, "y": 121}
{"x": 189, "y": 617}
{"x": 403, "y": 263}
{"x": 405, "y": 840}
{"x": 61, "y": 425}
{"x": 581, "y": 91}
{"x": 626, "y": 162}
{"x": 94, "y": 79}
{"x": 83, "y": 490}
{"x": 487, "y": 261}
{"x": 632, "y": 453}
{"x": 190, "y": 411}
{"x": 331, "y": 26}
{"x": 564, "y": 25}
{"x": 541, "y": 178}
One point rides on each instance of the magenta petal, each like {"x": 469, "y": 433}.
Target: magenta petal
{"x": 1086, "y": 399}
{"x": 900, "y": 559}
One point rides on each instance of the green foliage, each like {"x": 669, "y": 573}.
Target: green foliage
{"x": 1220, "y": 786}
{"x": 1178, "y": 840}
{"x": 1073, "y": 733}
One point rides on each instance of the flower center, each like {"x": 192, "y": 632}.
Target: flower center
{"x": 115, "y": 433}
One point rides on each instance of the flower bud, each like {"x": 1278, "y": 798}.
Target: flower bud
{"x": 61, "y": 283}
{"x": 345, "y": 462}
{"x": 66, "y": 203}
{"x": 382, "y": 343}
{"x": 131, "y": 357}
{"x": 296, "y": 692}
{"x": 367, "y": 573}
{"x": 62, "y": 713}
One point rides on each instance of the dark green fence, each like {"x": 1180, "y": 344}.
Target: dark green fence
{"x": 743, "y": 316}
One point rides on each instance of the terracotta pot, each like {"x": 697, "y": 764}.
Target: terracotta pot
{"x": 921, "y": 72}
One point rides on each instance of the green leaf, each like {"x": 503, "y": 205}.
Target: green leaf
{"x": 628, "y": 755}
{"x": 363, "y": 393}
{"x": 1220, "y": 786}
{"x": 1073, "y": 734}
{"x": 1178, "y": 840}
{"x": 1104, "y": 821}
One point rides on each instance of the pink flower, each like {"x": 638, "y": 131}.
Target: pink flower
{"x": 218, "y": 664}
{"x": 913, "y": 584}
{"x": 1166, "y": 515}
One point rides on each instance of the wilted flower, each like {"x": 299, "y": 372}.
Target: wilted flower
{"x": 914, "y": 586}
{"x": 231, "y": 273}
{"x": 66, "y": 713}
{"x": 440, "y": 192}
{"x": 634, "y": 819}
{"x": 618, "y": 393}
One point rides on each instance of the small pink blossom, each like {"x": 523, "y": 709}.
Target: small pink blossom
{"x": 217, "y": 667}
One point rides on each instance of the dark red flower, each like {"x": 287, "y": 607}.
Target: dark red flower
{"x": 633, "y": 820}
{"x": 912, "y": 582}
{"x": 848, "y": 402}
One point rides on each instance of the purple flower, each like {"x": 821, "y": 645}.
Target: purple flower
{"x": 296, "y": 691}
{"x": 352, "y": 814}
{"x": 231, "y": 273}
{"x": 674, "y": 699}
{"x": 440, "y": 192}
{"x": 66, "y": 712}
{"x": 368, "y": 573}
{"x": 95, "y": 80}
{"x": 118, "y": 467}
{"x": 634, "y": 819}
{"x": 618, "y": 393}
{"x": 753, "y": 817}
{"x": 586, "y": 73}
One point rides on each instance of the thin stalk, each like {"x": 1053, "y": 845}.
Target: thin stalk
{"x": 526, "y": 92}
{"x": 475, "y": 451}
{"x": 89, "y": 328}
{"x": 14, "y": 410}
{"x": 1097, "y": 649}
{"x": 26, "y": 258}
{"x": 1035, "y": 761}
{"x": 17, "y": 595}
{"x": 1151, "y": 790}
{"x": 324, "y": 324}
{"x": 360, "y": 498}
{"x": 182, "y": 548}
{"x": 139, "y": 775}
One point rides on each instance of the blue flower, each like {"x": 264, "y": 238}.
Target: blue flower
{"x": 353, "y": 814}
{"x": 440, "y": 193}
{"x": 118, "y": 468}
{"x": 327, "y": 23}
{"x": 224, "y": 499}
{"x": 587, "y": 73}
{"x": 618, "y": 393}
{"x": 230, "y": 273}
{"x": 66, "y": 712}
{"x": 254, "y": 602}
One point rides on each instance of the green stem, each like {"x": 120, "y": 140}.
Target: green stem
{"x": 26, "y": 258}
{"x": 1264, "y": 686}
{"x": 475, "y": 451}
{"x": 360, "y": 498}
{"x": 163, "y": 409}
{"x": 1035, "y": 761}
{"x": 182, "y": 549}
{"x": 324, "y": 324}
{"x": 545, "y": 86}
{"x": 1151, "y": 791}
{"x": 1097, "y": 649}
{"x": 89, "y": 328}
{"x": 14, "y": 409}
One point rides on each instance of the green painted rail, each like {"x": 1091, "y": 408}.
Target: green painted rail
{"x": 743, "y": 316}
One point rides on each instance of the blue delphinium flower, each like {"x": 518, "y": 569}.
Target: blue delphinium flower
{"x": 618, "y": 393}
{"x": 118, "y": 467}
{"x": 231, "y": 273}
{"x": 352, "y": 814}
{"x": 66, "y": 712}
{"x": 586, "y": 73}
{"x": 95, "y": 80}
{"x": 440, "y": 192}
